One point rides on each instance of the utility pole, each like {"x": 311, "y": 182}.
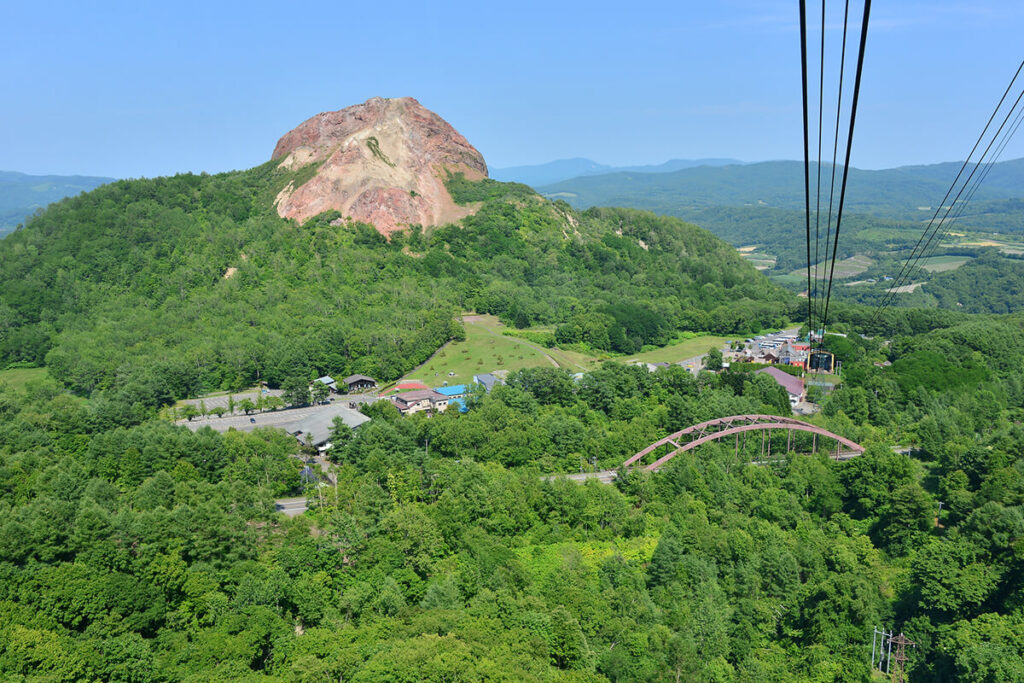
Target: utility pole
{"x": 901, "y": 655}
{"x": 879, "y": 658}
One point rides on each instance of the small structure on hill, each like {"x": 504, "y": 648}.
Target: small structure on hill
{"x": 356, "y": 383}
{"x": 793, "y": 353}
{"x": 308, "y": 476}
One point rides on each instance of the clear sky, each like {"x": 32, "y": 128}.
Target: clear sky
{"x": 135, "y": 88}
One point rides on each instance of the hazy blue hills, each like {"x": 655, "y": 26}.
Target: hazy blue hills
{"x": 905, "y": 193}
{"x": 565, "y": 169}
{"x": 21, "y": 194}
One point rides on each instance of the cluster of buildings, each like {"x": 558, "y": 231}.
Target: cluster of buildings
{"x": 411, "y": 396}
{"x": 783, "y": 350}
{"x": 416, "y": 397}
{"x": 353, "y": 384}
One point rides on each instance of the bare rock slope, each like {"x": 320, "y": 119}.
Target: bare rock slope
{"x": 383, "y": 162}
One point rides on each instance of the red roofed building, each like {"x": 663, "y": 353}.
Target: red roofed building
{"x": 794, "y": 386}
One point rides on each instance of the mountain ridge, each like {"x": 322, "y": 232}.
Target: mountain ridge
{"x": 567, "y": 169}
{"x": 22, "y": 194}
{"x": 897, "y": 193}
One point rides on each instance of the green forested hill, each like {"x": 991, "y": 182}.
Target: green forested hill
{"x": 165, "y": 287}
{"x": 886, "y": 214}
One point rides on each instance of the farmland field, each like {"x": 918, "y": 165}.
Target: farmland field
{"x": 855, "y": 265}
{"x": 941, "y": 264}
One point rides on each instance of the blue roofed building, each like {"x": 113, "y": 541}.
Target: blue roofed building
{"x": 453, "y": 391}
{"x": 458, "y": 402}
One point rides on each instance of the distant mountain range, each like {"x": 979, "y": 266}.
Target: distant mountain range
{"x": 565, "y": 169}
{"x": 908, "y": 193}
{"x": 21, "y": 195}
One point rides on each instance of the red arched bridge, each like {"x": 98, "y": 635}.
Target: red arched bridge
{"x": 738, "y": 426}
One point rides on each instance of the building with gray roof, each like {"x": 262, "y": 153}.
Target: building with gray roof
{"x": 359, "y": 383}
{"x": 316, "y": 427}
{"x": 487, "y": 380}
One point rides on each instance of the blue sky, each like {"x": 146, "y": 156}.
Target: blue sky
{"x": 131, "y": 88}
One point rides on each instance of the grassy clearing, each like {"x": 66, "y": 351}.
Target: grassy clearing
{"x": 906, "y": 289}
{"x": 941, "y": 264}
{"x": 485, "y": 350}
{"x": 790, "y": 279}
{"x": 17, "y": 378}
{"x": 688, "y": 348}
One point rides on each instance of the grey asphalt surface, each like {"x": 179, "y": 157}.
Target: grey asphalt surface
{"x": 293, "y": 507}
{"x": 247, "y": 423}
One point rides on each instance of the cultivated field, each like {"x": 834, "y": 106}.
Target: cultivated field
{"x": 941, "y": 264}
{"x": 758, "y": 259}
{"x": 850, "y": 267}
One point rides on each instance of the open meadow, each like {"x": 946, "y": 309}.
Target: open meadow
{"x": 486, "y": 349}
{"x": 17, "y": 378}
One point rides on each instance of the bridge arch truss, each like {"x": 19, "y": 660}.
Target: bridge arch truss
{"x": 720, "y": 428}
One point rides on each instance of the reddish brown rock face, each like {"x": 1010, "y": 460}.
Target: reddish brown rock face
{"x": 384, "y": 162}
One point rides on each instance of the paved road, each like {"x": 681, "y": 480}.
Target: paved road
{"x": 604, "y": 476}
{"x": 293, "y": 507}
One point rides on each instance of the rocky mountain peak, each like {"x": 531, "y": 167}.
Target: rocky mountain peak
{"x": 382, "y": 162}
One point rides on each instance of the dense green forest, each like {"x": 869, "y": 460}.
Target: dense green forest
{"x": 146, "y": 552}
{"x": 448, "y": 549}
{"x": 886, "y": 212}
{"x": 780, "y": 232}
{"x": 154, "y": 289}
